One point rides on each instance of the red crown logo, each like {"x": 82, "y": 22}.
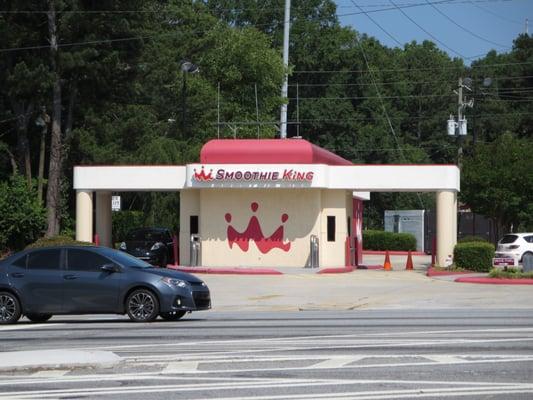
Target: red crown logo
{"x": 254, "y": 232}
{"x": 202, "y": 176}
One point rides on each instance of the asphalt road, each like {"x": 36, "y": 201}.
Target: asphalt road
{"x": 358, "y": 354}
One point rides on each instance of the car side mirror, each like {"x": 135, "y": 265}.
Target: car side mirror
{"x": 110, "y": 268}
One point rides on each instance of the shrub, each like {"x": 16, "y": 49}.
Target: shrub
{"x": 510, "y": 273}
{"x": 474, "y": 256}
{"x": 59, "y": 240}
{"x": 381, "y": 240}
{"x": 469, "y": 239}
{"x": 125, "y": 221}
{"x": 23, "y": 217}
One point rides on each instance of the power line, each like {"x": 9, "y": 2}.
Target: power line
{"x": 411, "y": 69}
{"x": 426, "y": 31}
{"x": 408, "y": 96}
{"x": 465, "y": 29}
{"x": 491, "y": 116}
{"x": 412, "y": 5}
{"x": 255, "y": 9}
{"x": 378, "y": 25}
{"x": 405, "y": 81}
{"x": 495, "y": 14}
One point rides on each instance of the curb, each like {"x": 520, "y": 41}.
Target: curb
{"x": 373, "y": 267}
{"x": 226, "y": 271}
{"x": 433, "y": 272}
{"x": 394, "y": 253}
{"x": 338, "y": 270}
{"x": 495, "y": 281}
{"x": 57, "y": 359}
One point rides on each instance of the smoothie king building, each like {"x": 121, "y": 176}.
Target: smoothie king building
{"x": 267, "y": 203}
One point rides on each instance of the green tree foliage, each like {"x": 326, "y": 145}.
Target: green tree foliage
{"x": 498, "y": 182}
{"x": 22, "y": 217}
{"x": 125, "y": 98}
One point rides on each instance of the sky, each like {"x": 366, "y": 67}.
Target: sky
{"x": 478, "y": 25}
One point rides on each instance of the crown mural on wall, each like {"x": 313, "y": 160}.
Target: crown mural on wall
{"x": 202, "y": 176}
{"x": 254, "y": 232}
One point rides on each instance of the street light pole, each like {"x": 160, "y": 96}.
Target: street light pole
{"x": 187, "y": 67}
{"x": 284, "y": 89}
{"x": 183, "y": 102}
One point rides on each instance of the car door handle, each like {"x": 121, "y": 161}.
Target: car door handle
{"x": 17, "y": 275}
{"x": 70, "y": 277}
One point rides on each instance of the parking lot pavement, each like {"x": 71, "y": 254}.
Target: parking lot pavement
{"x": 360, "y": 289}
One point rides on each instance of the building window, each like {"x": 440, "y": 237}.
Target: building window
{"x": 349, "y": 227}
{"x": 193, "y": 224}
{"x": 331, "y": 228}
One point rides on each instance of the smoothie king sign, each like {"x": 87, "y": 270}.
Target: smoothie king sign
{"x": 208, "y": 174}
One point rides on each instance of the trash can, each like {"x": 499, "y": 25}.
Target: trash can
{"x": 527, "y": 262}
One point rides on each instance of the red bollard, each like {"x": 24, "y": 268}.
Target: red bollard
{"x": 434, "y": 251}
{"x": 347, "y": 256}
{"x": 175, "y": 249}
{"x": 96, "y": 240}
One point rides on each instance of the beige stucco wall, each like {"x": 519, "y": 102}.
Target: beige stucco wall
{"x": 307, "y": 211}
{"x": 189, "y": 205}
{"x": 332, "y": 254}
{"x": 301, "y": 206}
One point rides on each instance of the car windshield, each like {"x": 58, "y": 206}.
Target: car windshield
{"x": 508, "y": 239}
{"x": 125, "y": 259}
{"x": 145, "y": 235}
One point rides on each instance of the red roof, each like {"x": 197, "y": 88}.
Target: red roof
{"x": 267, "y": 151}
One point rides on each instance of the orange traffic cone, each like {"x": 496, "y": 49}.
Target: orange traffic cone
{"x": 409, "y": 263}
{"x": 387, "y": 265}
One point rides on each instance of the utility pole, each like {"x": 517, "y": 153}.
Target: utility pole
{"x": 460, "y": 120}
{"x": 459, "y": 128}
{"x": 284, "y": 89}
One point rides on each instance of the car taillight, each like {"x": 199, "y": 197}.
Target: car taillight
{"x": 513, "y": 246}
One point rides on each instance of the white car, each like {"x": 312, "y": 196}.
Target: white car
{"x": 515, "y": 245}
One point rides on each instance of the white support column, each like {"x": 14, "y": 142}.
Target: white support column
{"x": 446, "y": 224}
{"x": 84, "y": 215}
{"x": 103, "y": 218}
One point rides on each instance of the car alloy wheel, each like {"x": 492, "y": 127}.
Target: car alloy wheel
{"x": 9, "y": 308}
{"x": 142, "y": 306}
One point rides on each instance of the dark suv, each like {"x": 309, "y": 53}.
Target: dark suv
{"x": 39, "y": 283}
{"x": 153, "y": 245}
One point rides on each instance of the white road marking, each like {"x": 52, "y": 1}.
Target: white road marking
{"x": 299, "y": 339}
{"x": 179, "y": 367}
{"x": 451, "y": 359}
{"x": 360, "y": 395}
{"x": 335, "y": 362}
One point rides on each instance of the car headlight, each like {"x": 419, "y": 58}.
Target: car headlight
{"x": 123, "y": 246}
{"x": 174, "y": 282}
{"x": 157, "y": 246}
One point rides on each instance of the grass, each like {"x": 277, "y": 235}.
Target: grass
{"x": 453, "y": 268}
{"x": 510, "y": 273}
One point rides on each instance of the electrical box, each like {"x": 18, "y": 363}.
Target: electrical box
{"x": 407, "y": 221}
{"x": 462, "y": 127}
{"x": 451, "y": 127}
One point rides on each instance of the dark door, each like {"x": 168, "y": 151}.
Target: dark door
{"x": 42, "y": 283}
{"x": 89, "y": 289}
